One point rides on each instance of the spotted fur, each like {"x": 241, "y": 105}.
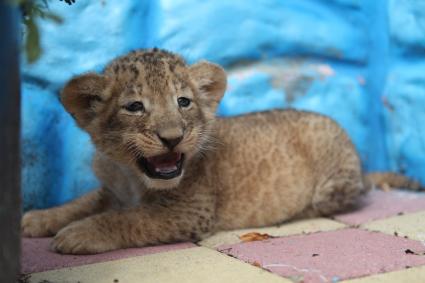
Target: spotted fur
{"x": 256, "y": 170}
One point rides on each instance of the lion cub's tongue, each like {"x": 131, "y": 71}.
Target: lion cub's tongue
{"x": 165, "y": 163}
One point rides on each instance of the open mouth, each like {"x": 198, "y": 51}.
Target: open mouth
{"x": 165, "y": 166}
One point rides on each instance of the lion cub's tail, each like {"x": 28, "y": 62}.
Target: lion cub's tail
{"x": 388, "y": 180}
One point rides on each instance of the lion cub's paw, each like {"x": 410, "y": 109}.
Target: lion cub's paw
{"x": 83, "y": 237}
{"x": 39, "y": 223}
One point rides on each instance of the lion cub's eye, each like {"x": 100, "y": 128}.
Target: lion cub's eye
{"x": 134, "y": 106}
{"x": 183, "y": 101}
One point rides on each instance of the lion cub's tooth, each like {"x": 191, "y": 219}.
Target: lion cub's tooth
{"x": 165, "y": 169}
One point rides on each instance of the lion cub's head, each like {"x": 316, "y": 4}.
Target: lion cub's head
{"x": 148, "y": 110}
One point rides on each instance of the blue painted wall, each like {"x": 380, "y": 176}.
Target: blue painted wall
{"x": 361, "y": 62}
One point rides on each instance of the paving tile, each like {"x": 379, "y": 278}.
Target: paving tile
{"x": 186, "y": 266}
{"x": 330, "y": 256}
{"x": 409, "y": 225}
{"x": 379, "y": 204}
{"x": 292, "y": 228}
{"x": 37, "y": 256}
{"x": 411, "y": 275}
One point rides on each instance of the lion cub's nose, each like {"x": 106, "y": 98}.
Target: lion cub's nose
{"x": 170, "y": 142}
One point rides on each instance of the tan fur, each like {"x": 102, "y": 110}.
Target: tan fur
{"x": 256, "y": 170}
{"x": 393, "y": 180}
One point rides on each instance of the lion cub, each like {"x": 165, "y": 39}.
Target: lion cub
{"x": 171, "y": 171}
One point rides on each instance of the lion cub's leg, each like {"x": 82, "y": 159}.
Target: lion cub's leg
{"x": 149, "y": 224}
{"x": 339, "y": 192}
{"x": 47, "y": 222}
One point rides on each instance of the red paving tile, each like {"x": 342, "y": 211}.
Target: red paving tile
{"x": 36, "y": 255}
{"x": 330, "y": 256}
{"x": 379, "y": 205}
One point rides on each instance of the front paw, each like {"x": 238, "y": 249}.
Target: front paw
{"x": 40, "y": 223}
{"x": 83, "y": 237}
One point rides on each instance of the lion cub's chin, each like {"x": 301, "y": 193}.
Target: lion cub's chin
{"x": 162, "y": 184}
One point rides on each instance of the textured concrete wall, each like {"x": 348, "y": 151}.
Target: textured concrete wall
{"x": 404, "y": 93}
{"x": 358, "y": 61}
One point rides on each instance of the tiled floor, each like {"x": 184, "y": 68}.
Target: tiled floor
{"x": 384, "y": 241}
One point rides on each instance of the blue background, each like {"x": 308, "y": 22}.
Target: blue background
{"x": 360, "y": 62}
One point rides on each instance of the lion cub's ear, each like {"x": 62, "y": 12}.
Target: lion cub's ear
{"x": 211, "y": 81}
{"x": 81, "y": 95}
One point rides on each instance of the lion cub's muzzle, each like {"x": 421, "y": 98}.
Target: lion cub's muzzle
{"x": 165, "y": 166}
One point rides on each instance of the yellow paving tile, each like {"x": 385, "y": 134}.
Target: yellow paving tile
{"x": 411, "y": 275}
{"x": 192, "y": 265}
{"x": 410, "y": 225}
{"x": 293, "y": 228}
